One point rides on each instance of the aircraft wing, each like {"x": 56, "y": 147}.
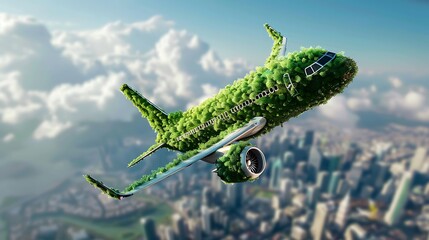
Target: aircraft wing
{"x": 177, "y": 165}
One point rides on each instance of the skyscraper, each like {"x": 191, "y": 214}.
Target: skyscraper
{"x": 320, "y": 220}
{"x": 343, "y": 209}
{"x": 333, "y": 183}
{"x": 179, "y": 226}
{"x": 206, "y": 219}
{"x": 315, "y": 158}
{"x": 418, "y": 159}
{"x": 150, "y": 228}
{"x": 396, "y": 208}
{"x": 312, "y": 196}
{"x": 234, "y": 195}
{"x": 286, "y": 186}
{"x": 276, "y": 170}
{"x": 288, "y": 159}
{"x": 322, "y": 181}
{"x": 309, "y": 138}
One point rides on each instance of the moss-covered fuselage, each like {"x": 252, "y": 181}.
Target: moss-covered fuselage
{"x": 263, "y": 92}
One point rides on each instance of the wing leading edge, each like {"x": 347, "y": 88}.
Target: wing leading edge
{"x": 178, "y": 164}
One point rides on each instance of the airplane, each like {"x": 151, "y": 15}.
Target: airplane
{"x": 217, "y": 131}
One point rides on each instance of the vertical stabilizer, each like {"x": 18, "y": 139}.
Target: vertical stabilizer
{"x": 279, "y": 45}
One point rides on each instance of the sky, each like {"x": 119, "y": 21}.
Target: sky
{"x": 62, "y": 62}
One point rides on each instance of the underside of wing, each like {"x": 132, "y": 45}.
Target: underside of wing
{"x": 178, "y": 164}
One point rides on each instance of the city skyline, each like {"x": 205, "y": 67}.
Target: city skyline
{"x": 62, "y": 114}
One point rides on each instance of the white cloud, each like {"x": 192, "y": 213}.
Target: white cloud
{"x": 65, "y": 77}
{"x": 337, "y": 111}
{"x": 8, "y": 137}
{"x": 395, "y": 81}
{"x": 359, "y": 104}
{"x": 17, "y": 104}
{"x": 50, "y": 128}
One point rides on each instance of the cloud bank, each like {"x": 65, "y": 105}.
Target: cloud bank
{"x": 61, "y": 78}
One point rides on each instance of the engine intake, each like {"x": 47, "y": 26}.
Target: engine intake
{"x": 253, "y": 162}
{"x": 239, "y": 162}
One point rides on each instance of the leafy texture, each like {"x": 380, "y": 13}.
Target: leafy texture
{"x": 229, "y": 165}
{"x": 277, "y": 107}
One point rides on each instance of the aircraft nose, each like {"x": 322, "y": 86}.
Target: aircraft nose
{"x": 351, "y": 69}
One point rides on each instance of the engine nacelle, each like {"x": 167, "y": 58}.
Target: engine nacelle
{"x": 241, "y": 162}
{"x": 253, "y": 161}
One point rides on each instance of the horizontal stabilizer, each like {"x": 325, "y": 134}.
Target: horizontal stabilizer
{"x": 151, "y": 150}
{"x": 114, "y": 193}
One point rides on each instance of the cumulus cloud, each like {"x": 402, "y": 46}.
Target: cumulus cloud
{"x": 337, "y": 111}
{"x": 63, "y": 77}
{"x": 395, "y": 81}
{"x": 8, "y": 137}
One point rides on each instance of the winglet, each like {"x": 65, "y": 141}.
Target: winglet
{"x": 279, "y": 43}
{"x": 114, "y": 193}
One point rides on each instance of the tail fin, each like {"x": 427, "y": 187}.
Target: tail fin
{"x": 279, "y": 45}
{"x": 157, "y": 118}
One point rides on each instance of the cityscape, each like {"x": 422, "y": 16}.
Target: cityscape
{"x": 321, "y": 183}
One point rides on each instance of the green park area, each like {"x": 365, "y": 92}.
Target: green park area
{"x": 125, "y": 227}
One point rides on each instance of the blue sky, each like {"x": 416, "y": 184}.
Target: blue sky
{"x": 63, "y": 67}
{"x": 68, "y": 60}
{"x": 385, "y": 35}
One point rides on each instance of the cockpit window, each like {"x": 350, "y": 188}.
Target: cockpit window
{"x": 289, "y": 85}
{"x": 319, "y": 64}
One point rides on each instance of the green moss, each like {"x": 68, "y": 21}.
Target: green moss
{"x": 229, "y": 165}
{"x": 276, "y": 108}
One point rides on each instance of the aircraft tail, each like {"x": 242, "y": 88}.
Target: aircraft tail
{"x": 279, "y": 45}
{"x": 157, "y": 118}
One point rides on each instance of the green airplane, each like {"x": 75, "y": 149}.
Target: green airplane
{"x": 217, "y": 130}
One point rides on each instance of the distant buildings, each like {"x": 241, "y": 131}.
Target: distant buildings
{"x": 396, "y": 208}
{"x": 342, "y": 211}
{"x": 320, "y": 221}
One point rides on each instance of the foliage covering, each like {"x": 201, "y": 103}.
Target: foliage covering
{"x": 229, "y": 165}
{"x": 276, "y": 108}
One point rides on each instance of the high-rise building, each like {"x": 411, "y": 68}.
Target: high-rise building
{"x": 234, "y": 195}
{"x": 286, "y": 186}
{"x": 333, "y": 183}
{"x": 276, "y": 171}
{"x": 380, "y": 174}
{"x": 397, "y": 206}
{"x": 354, "y": 176}
{"x": 206, "y": 219}
{"x": 179, "y": 226}
{"x": 342, "y": 212}
{"x": 320, "y": 221}
{"x": 322, "y": 181}
{"x": 349, "y": 156}
{"x": 315, "y": 158}
{"x": 150, "y": 228}
{"x": 309, "y": 138}
{"x": 387, "y": 191}
{"x": 418, "y": 159}
{"x": 312, "y": 196}
{"x": 195, "y": 229}
{"x": 288, "y": 159}
{"x": 167, "y": 233}
{"x": 206, "y": 196}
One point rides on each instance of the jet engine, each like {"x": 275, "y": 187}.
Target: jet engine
{"x": 241, "y": 162}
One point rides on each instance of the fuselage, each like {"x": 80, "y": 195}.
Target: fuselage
{"x": 277, "y": 91}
